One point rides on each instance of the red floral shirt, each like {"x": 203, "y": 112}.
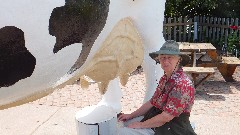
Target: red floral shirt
{"x": 176, "y": 95}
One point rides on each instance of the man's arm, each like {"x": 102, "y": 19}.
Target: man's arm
{"x": 156, "y": 121}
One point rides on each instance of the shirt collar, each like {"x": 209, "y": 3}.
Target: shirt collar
{"x": 174, "y": 74}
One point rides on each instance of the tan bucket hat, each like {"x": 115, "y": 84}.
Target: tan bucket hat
{"x": 170, "y": 47}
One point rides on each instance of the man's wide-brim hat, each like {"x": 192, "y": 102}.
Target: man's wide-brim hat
{"x": 170, "y": 47}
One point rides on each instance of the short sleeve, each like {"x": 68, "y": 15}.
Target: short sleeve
{"x": 158, "y": 90}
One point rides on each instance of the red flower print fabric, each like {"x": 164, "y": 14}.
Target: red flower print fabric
{"x": 175, "y": 95}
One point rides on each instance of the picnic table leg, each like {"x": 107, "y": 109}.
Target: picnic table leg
{"x": 194, "y": 59}
{"x": 194, "y": 77}
{"x": 227, "y": 71}
{"x": 205, "y": 78}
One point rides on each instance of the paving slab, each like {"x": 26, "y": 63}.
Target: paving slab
{"x": 61, "y": 123}
{"x": 32, "y": 119}
{"x": 216, "y": 125}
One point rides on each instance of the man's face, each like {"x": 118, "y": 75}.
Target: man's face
{"x": 168, "y": 62}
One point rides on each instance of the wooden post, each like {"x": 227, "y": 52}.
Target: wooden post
{"x": 169, "y": 29}
{"x": 195, "y": 29}
{"x": 184, "y": 29}
{"x": 194, "y": 57}
{"x": 175, "y": 30}
{"x": 180, "y": 29}
{"x": 190, "y": 30}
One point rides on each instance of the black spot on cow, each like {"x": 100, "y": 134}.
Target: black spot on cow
{"x": 16, "y": 62}
{"x": 78, "y": 21}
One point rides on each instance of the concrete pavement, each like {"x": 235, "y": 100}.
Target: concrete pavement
{"x": 216, "y": 110}
{"x": 30, "y": 119}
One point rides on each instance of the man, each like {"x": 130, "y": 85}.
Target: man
{"x": 168, "y": 111}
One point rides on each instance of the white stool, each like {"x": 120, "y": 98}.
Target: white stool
{"x": 96, "y": 120}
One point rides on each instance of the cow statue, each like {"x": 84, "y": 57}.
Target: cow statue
{"x": 46, "y": 45}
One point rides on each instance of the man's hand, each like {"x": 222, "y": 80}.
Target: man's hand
{"x": 136, "y": 125}
{"x": 124, "y": 117}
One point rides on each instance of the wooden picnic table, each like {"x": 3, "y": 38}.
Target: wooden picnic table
{"x": 225, "y": 65}
{"x": 193, "y": 69}
{"x": 200, "y": 48}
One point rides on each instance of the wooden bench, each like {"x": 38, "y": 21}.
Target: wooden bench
{"x": 196, "y": 71}
{"x": 227, "y": 67}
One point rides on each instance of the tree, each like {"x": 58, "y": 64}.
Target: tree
{"x": 191, "y": 8}
{"x": 227, "y": 8}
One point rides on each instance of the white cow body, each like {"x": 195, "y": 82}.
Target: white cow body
{"x": 33, "y": 18}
